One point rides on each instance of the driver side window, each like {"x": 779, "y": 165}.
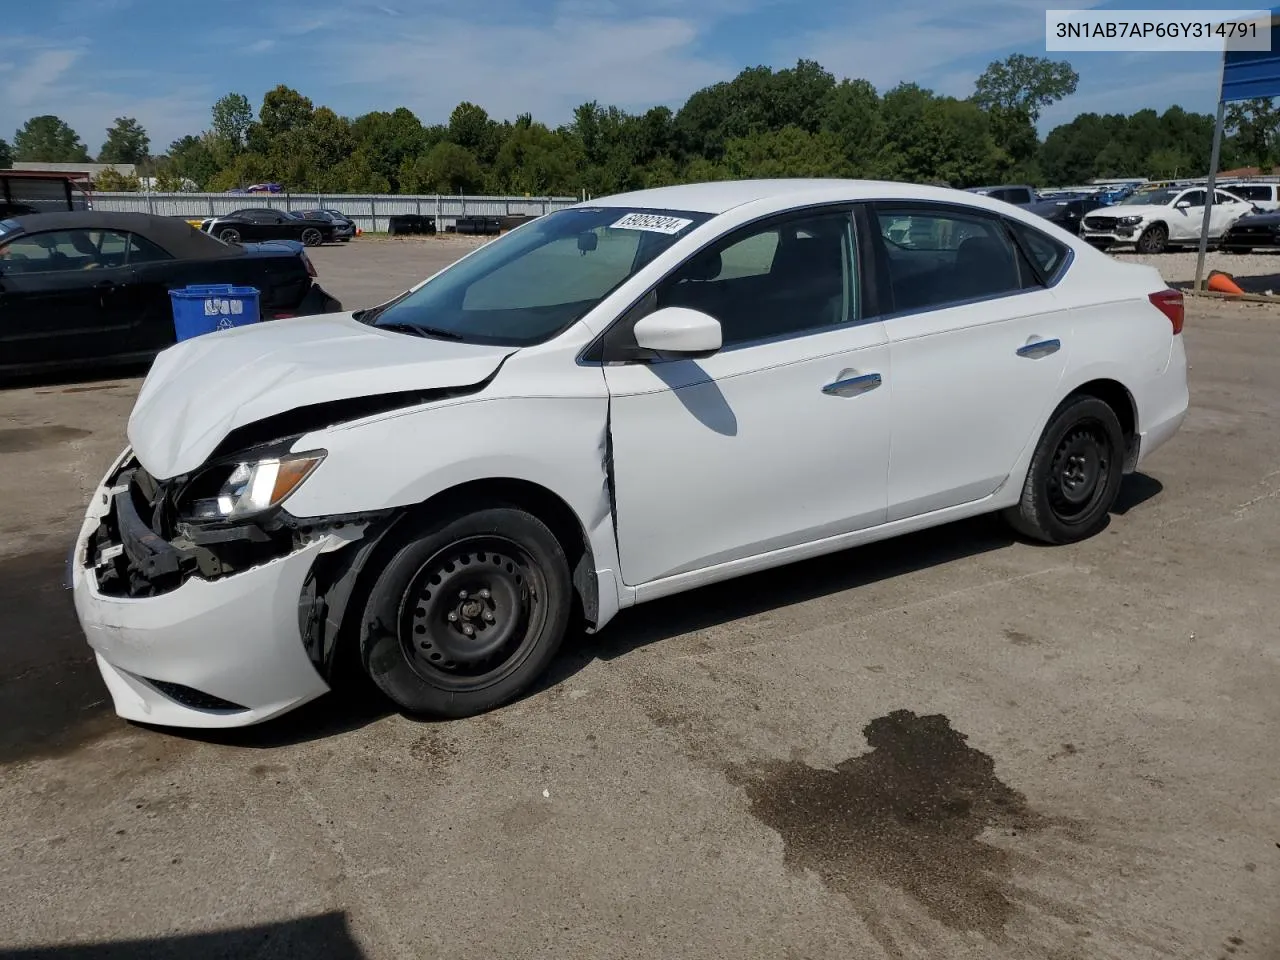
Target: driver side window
{"x": 1194, "y": 197}
{"x": 64, "y": 250}
{"x": 788, "y": 277}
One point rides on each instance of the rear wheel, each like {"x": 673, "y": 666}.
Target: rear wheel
{"x": 311, "y": 237}
{"x": 467, "y": 613}
{"x": 229, "y": 235}
{"x": 1074, "y": 476}
{"x": 1154, "y": 239}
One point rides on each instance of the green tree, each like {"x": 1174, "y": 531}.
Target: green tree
{"x": 445, "y": 168}
{"x": 1255, "y": 124}
{"x": 112, "y": 181}
{"x": 48, "y": 139}
{"x": 192, "y": 158}
{"x": 127, "y": 142}
{"x": 536, "y": 160}
{"x": 1024, "y": 84}
{"x": 789, "y": 152}
{"x": 929, "y": 138}
{"x": 229, "y": 132}
{"x": 1167, "y": 163}
{"x": 852, "y": 115}
{"x": 6, "y": 156}
{"x": 389, "y": 139}
{"x": 470, "y": 127}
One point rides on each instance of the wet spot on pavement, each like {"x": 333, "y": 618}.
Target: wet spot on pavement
{"x": 26, "y": 439}
{"x": 908, "y": 815}
{"x": 1019, "y": 639}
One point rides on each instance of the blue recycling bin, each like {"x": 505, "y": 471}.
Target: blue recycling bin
{"x": 204, "y": 308}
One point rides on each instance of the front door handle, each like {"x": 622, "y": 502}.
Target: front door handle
{"x": 1039, "y": 348}
{"x": 852, "y": 386}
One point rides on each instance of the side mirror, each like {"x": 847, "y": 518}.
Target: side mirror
{"x": 679, "y": 333}
{"x": 1182, "y": 205}
{"x": 588, "y": 241}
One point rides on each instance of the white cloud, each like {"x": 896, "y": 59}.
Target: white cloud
{"x": 260, "y": 46}
{"x": 542, "y": 69}
{"x": 33, "y": 81}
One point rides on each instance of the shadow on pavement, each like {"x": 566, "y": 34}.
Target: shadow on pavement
{"x": 323, "y": 937}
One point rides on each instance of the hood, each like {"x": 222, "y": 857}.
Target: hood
{"x": 1268, "y": 219}
{"x": 201, "y": 389}
{"x": 1144, "y": 210}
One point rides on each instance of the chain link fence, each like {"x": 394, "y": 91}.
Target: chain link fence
{"x": 370, "y": 212}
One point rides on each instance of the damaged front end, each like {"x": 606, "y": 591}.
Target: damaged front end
{"x": 155, "y": 535}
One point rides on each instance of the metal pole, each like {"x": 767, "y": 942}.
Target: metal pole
{"x": 1214, "y": 156}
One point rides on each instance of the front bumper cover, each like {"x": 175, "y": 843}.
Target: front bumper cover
{"x": 180, "y": 643}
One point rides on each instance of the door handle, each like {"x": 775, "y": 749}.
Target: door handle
{"x": 852, "y": 386}
{"x": 1039, "y": 348}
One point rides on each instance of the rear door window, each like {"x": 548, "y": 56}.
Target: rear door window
{"x": 940, "y": 257}
{"x": 64, "y": 250}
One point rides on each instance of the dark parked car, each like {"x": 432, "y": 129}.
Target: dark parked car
{"x": 87, "y": 287}
{"x": 1066, "y": 212}
{"x": 1018, "y": 194}
{"x": 262, "y": 223}
{"x": 344, "y": 228}
{"x": 1252, "y": 231}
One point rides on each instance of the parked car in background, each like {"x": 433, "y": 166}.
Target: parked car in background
{"x": 1155, "y": 220}
{"x": 266, "y": 224}
{"x": 1066, "y": 210}
{"x": 1018, "y": 194}
{"x": 344, "y": 228}
{"x": 1264, "y": 196}
{"x": 83, "y": 287}
{"x": 437, "y": 488}
{"x": 1253, "y": 231}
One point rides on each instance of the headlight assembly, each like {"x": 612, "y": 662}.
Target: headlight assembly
{"x": 236, "y": 491}
{"x": 1129, "y": 221}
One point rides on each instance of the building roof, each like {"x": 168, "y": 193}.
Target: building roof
{"x": 78, "y": 169}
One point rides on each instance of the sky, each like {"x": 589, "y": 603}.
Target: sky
{"x": 164, "y": 62}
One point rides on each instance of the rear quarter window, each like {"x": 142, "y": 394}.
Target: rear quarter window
{"x": 1048, "y": 254}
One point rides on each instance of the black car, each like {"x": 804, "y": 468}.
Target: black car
{"x": 88, "y": 287}
{"x": 344, "y": 228}
{"x": 266, "y": 224}
{"x": 1066, "y": 212}
{"x": 1251, "y": 231}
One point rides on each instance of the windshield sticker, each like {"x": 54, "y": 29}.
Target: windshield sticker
{"x": 652, "y": 222}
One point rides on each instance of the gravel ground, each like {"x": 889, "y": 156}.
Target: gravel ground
{"x": 1180, "y": 267}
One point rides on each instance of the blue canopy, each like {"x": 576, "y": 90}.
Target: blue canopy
{"x": 1253, "y": 73}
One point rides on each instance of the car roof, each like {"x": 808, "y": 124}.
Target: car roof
{"x": 719, "y": 196}
{"x": 172, "y": 234}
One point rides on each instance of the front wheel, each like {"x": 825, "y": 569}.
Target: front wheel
{"x": 311, "y": 237}
{"x": 467, "y": 613}
{"x": 1074, "y": 476}
{"x": 229, "y": 235}
{"x": 1154, "y": 239}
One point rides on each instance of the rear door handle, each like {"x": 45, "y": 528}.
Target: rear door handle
{"x": 852, "y": 386}
{"x": 1039, "y": 348}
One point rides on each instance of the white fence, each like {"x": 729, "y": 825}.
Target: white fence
{"x": 369, "y": 212}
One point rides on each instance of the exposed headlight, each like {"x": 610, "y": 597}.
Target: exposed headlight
{"x": 1130, "y": 221}
{"x": 240, "y": 490}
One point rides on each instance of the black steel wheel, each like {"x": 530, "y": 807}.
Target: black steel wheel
{"x": 467, "y": 612}
{"x": 229, "y": 235}
{"x": 1074, "y": 476}
{"x": 312, "y": 237}
{"x": 1154, "y": 239}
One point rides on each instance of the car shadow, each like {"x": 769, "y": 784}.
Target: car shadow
{"x": 77, "y": 380}
{"x": 1136, "y": 490}
{"x": 324, "y": 937}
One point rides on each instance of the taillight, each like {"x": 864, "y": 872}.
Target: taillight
{"x": 1170, "y": 303}
{"x": 311, "y": 267}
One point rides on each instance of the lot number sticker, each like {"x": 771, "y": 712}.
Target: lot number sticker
{"x": 652, "y": 222}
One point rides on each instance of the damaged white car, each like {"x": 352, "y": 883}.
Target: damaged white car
{"x": 615, "y": 402}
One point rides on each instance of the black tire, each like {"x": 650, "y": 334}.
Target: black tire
{"x": 1238, "y": 249}
{"x": 229, "y": 235}
{"x": 1154, "y": 239}
{"x": 498, "y": 572}
{"x": 1074, "y": 476}
{"x": 312, "y": 237}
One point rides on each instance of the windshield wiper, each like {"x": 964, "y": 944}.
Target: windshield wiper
{"x": 419, "y": 331}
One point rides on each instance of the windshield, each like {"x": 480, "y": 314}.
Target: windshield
{"x": 1158, "y": 198}
{"x": 536, "y": 281}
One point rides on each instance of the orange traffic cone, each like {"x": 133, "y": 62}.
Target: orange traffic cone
{"x": 1221, "y": 282}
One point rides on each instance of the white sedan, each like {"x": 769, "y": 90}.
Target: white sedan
{"x": 1156, "y": 219}
{"x": 619, "y": 401}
